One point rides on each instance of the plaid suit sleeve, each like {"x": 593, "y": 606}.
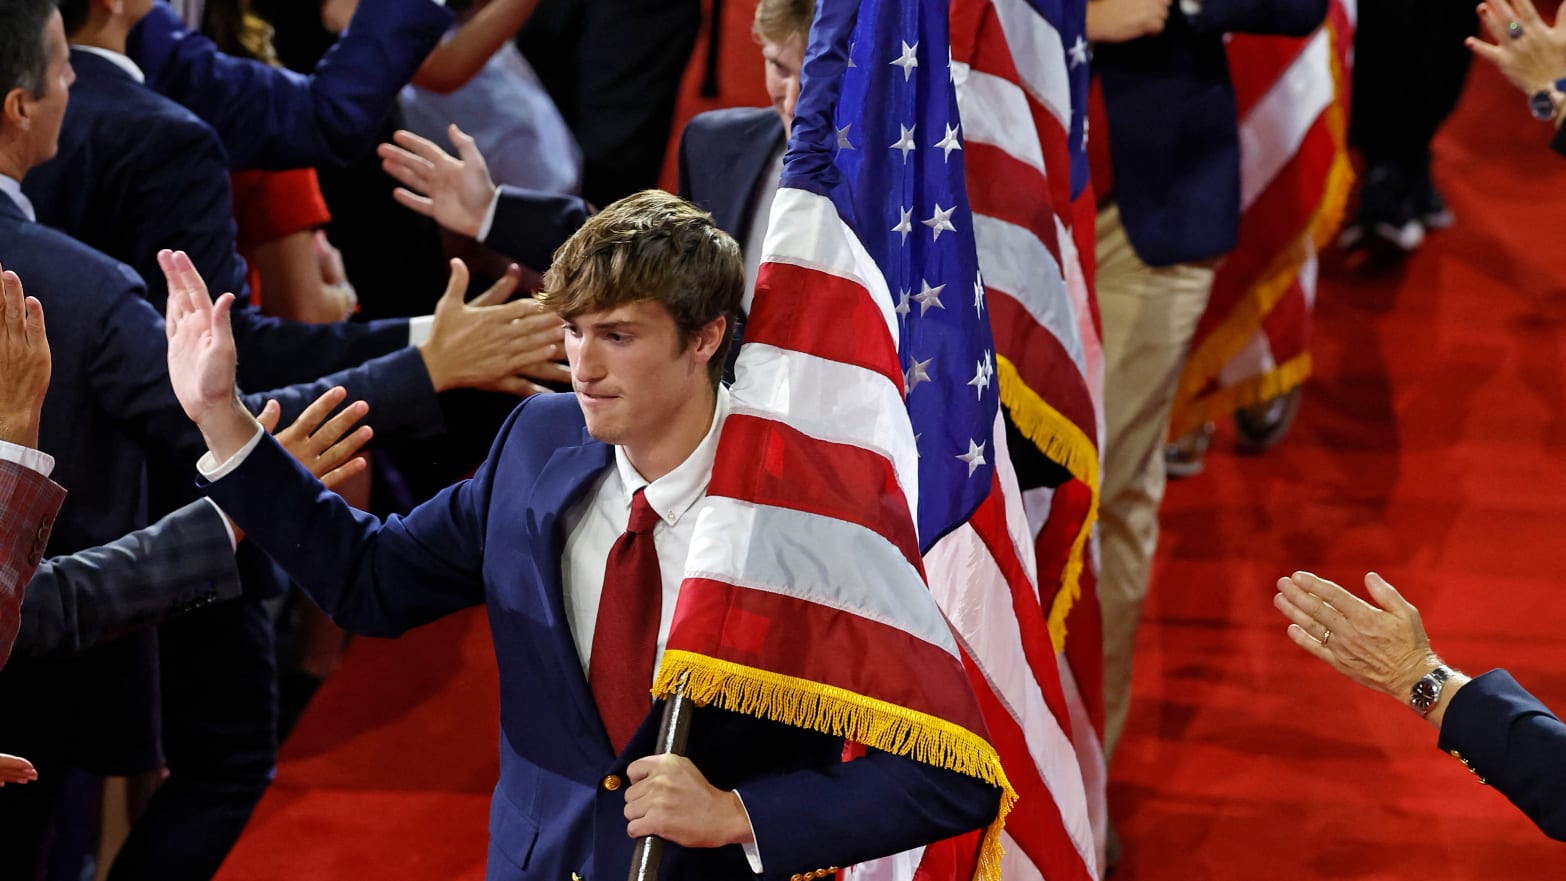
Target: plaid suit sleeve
{"x": 28, "y": 505}
{"x": 182, "y": 562}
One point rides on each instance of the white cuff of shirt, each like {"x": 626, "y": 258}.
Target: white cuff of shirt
{"x": 752, "y": 852}
{"x": 27, "y": 457}
{"x": 209, "y": 467}
{"x": 1191, "y": 8}
{"x": 419, "y": 329}
{"x": 228, "y": 527}
{"x": 489, "y": 216}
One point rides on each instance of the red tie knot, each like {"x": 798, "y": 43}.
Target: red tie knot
{"x": 643, "y": 517}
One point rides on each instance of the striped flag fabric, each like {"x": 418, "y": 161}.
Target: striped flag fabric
{"x": 863, "y": 504}
{"x": 1252, "y": 343}
{"x": 1022, "y": 86}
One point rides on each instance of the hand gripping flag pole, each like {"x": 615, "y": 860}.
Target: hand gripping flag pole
{"x": 673, "y": 732}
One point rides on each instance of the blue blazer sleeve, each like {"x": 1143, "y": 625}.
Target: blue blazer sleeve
{"x": 182, "y": 562}
{"x": 1515, "y": 743}
{"x": 871, "y": 807}
{"x": 1290, "y": 18}
{"x": 373, "y": 577}
{"x": 274, "y": 118}
{"x": 529, "y": 225}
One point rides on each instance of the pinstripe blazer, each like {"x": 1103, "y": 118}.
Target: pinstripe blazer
{"x": 179, "y": 564}
{"x": 29, "y": 502}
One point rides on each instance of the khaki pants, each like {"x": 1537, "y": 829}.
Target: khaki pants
{"x": 1150, "y": 315}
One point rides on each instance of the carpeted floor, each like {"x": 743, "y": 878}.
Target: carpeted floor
{"x": 1431, "y": 447}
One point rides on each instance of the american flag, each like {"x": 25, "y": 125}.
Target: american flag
{"x": 1022, "y": 86}
{"x": 1253, "y": 341}
{"x": 860, "y": 452}
{"x": 866, "y": 450}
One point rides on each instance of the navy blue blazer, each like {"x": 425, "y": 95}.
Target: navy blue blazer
{"x": 497, "y": 539}
{"x": 1514, "y": 742}
{"x": 1173, "y": 138}
{"x": 110, "y": 408}
{"x": 136, "y": 173}
{"x": 274, "y": 118}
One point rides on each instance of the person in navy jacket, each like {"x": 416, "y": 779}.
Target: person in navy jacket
{"x": 528, "y": 536}
{"x": 1504, "y": 735}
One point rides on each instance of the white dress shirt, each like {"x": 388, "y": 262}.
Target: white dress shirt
{"x": 761, "y": 218}
{"x": 12, "y": 188}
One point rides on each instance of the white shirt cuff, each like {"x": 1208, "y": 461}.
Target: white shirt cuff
{"x": 489, "y": 216}
{"x": 752, "y": 852}
{"x": 228, "y": 526}
{"x": 419, "y": 329}
{"x": 1191, "y": 8}
{"x": 27, "y": 457}
{"x": 209, "y": 468}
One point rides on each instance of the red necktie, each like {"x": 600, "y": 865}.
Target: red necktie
{"x": 625, "y": 638}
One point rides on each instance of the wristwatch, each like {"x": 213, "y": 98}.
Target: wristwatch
{"x": 1427, "y": 690}
{"x": 1542, "y": 102}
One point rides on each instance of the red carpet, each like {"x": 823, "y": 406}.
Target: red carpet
{"x": 1432, "y": 447}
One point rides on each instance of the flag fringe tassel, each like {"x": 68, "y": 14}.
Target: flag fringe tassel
{"x": 1065, "y": 444}
{"x": 1230, "y": 337}
{"x": 1275, "y": 383}
{"x": 841, "y": 713}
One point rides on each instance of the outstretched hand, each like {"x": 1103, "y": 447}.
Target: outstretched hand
{"x": 15, "y": 769}
{"x": 24, "y": 362}
{"x": 328, "y": 447}
{"x": 455, "y": 190}
{"x": 1528, "y": 52}
{"x": 202, "y": 357}
{"x": 1380, "y": 647}
{"x": 490, "y": 343}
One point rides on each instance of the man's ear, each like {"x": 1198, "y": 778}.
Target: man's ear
{"x": 710, "y": 336}
{"x": 16, "y": 110}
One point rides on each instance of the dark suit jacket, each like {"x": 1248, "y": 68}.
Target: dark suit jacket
{"x": 497, "y": 539}
{"x": 274, "y": 118}
{"x": 29, "y": 502}
{"x": 1173, "y": 140}
{"x": 181, "y": 563}
{"x": 110, "y": 407}
{"x": 1514, "y": 742}
{"x": 136, "y": 173}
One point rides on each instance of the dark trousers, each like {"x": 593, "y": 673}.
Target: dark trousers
{"x": 614, "y": 69}
{"x": 220, "y": 736}
{"x": 1410, "y": 65}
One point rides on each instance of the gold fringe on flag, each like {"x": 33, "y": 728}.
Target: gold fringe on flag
{"x": 1231, "y": 336}
{"x": 887, "y": 727}
{"x": 1065, "y": 444}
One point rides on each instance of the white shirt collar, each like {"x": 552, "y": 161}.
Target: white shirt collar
{"x": 674, "y": 493}
{"x": 13, "y": 189}
{"x": 122, "y": 61}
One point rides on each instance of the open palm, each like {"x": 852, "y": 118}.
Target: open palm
{"x": 202, "y": 358}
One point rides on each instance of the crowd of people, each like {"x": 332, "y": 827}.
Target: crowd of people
{"x": 174, "y": 575}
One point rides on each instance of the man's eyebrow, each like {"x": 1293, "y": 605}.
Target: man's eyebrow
{"x": 621, "y": 324}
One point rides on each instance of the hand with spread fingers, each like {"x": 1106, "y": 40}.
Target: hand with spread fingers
{"x": 1384, "y": 648}
{"x": 328, "y": 447}
{"x": 24, "y": 362}
{"x": 492, "y": 343}
{"x": 1530, "y": 53}
{"x": 455, "y": 190}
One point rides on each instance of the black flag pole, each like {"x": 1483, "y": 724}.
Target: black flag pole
{"x": 673, "y": 731}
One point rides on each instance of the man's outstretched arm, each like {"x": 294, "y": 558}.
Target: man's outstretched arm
{"x": 274, "y": 118}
